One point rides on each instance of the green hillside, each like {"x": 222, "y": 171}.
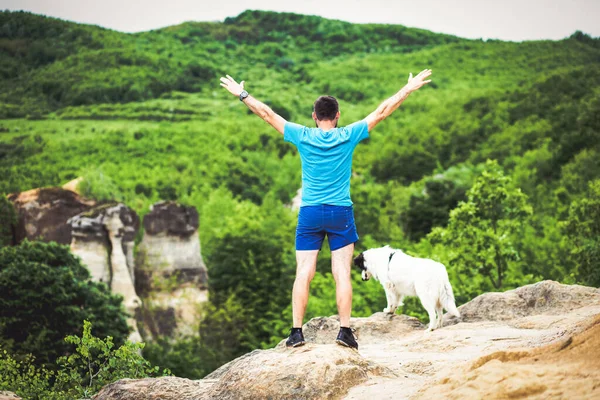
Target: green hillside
{"x": 48, "y": 63}
{"x": 143, "y": 118}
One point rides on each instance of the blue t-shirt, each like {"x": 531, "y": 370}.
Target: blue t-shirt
{"x": 326, "y": 161}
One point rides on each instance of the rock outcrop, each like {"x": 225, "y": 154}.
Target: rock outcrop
{"x": 169, "y": 267}
{"x": 539, "y": 298}
{"x": 103, "y": 237}
{"x": 4, "y": 395}
{"x": 485, "y": 357}
{"x": 309, "y": 372}
{"x": 43, "y": 213}
{"x": 170, "y": 272}
{"x": 566, "y": 369}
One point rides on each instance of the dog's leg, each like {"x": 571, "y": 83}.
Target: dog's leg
{"x": 394, "y": 302}
{"x": 389, "y": 293}
{"x": 440, "y": 314}
{"x": 432, "y": 317}
{"x": 401, "y": 301}
{"x": 429, "y": 305}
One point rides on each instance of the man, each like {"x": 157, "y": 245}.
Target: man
{"x": 326, "y": 209}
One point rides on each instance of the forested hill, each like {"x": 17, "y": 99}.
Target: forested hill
{"x": 491, "y": 169}
{"x": 48, "y": 63}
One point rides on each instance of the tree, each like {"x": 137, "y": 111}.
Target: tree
{"x": 45, "y": 294}
{"x": 480, "y": 231}
{"x": 430, "y": 208}
{"x": 583, "y": 229}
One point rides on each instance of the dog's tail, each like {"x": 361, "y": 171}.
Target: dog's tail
{"x": 447, "y": 298}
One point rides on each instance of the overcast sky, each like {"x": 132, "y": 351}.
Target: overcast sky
{"x": 498, "y": 19}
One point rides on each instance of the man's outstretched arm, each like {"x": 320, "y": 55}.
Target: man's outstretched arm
{"x": 258, "y": 108}
{"x": 390, "y": 105}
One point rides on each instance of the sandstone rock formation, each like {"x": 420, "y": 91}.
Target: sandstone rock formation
{"x": 540, "y": 298}
{"x": 103, "y": 237}
{"x": 312, "y": 371}
{"x": 4, "y": 395}
{"x": 492, "y": 357}
{"x": 43, "y": 214}
{"x": 566, "y": 369}
{"x": 73, "y": 185}
{"x": 170, "y": 271}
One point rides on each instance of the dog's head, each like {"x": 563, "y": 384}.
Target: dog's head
{"x": 359, "y": 261}
{"x": 371, "y": 262}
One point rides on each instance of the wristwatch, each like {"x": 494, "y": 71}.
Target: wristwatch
{"x": 243, "y": 95}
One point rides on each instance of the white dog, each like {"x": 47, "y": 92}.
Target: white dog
{"x": 402, "y": 275}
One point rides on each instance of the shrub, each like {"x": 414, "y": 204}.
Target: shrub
{"x": 94, "y": 363}
{"x": 45, "y": 293}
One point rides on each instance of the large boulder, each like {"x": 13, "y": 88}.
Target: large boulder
{"x": 539, "y": 298}
{"x": 170, "y": 272}
{"x": 165, "y": 388}
{"x": 309, "y": 372}
{"x": 103, "y": 237}
{"x": 43, "y": 213}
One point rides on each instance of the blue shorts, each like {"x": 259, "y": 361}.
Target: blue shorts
{"x": 314, "y": 222}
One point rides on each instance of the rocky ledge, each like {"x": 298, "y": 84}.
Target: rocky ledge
{"x": 507, "y": 345}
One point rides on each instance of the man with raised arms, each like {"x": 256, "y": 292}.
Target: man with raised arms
{"x": 326, "y": 209}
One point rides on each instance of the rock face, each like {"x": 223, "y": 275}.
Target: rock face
{"x": 309, "y": 372}
{"x": 171, "y": 246}
{"x": 43, "y": 214}
{"x": 489, "y": 356}
{"x": 4, "y": 395}
{"x": 566, "y": 369}
{"x": 170, "y": 272}
{"x": 539, "y": 298}
{"x": 103, "y": 237}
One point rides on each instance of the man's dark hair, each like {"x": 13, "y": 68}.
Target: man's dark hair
{"x": 326, "y": 107}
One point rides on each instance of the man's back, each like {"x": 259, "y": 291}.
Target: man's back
{"x": 326, "y": 161}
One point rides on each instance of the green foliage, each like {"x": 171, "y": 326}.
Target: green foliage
{"x": 8, "y": 221}
{"x": 45, "y": 293}
{"x": 430, "y": 208}
{"x": 95, "y": 65}
{"x": 94, "y": 364}
{"x": 583, "y": 229}
{"x": 225, "y": 333}
{"x": 481, "y": 232}
{"x": 99, "y": 186}
{"x": 252, "y": 259}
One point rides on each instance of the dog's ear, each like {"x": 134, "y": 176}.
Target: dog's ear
{"x": 359, "y": 261}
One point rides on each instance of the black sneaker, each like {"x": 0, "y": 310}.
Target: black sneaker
{"x": 346, "y": 338}
{"x": 296, "y": 338}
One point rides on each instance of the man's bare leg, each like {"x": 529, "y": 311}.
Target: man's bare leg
{"x": 305, "y": 271}
{"x": 341, "y": 260}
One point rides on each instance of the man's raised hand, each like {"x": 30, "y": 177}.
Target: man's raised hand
{"x": 232, "y": 86}
{"x": 418, "y": 81}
